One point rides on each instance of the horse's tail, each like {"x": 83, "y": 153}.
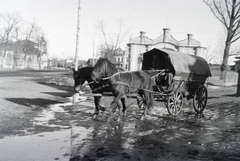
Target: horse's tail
{"x": 150, "y": 96}
{"x": 149, "y": 87}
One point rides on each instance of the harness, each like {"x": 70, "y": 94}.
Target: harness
{"x": 118, "y": 80}
{"x": 130, "y": 85}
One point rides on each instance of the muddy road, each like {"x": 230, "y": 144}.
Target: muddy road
{"x": 39, "y": 121}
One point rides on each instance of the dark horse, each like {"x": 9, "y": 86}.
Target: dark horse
{"x": 124, "y": 82}
{"x": 84, "y": 74}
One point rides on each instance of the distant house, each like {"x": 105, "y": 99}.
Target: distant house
{"x": 120, "y": 59}
{"x": 70, "y": 63}
{"x": 142, "y": 44}
{"x": 22, "y": 54}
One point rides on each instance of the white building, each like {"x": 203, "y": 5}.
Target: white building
{"x": 142, "y": 44}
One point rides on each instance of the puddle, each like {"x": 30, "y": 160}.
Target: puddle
{"x": 46, "y": 146}
{"x": 49, "y": 114}
{"x": 103, "y": 137}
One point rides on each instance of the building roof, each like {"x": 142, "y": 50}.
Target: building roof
{"x": 186, "y": 42}
{"x": 166, "y": 37}
{"x": 141, "y": 40}
{"x": 21, "y": 46}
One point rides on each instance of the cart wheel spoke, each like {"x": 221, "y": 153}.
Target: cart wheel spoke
{"x": 141, "y": 103}
{"x": 200, "y": 99}
{"x": 175, "y": 103}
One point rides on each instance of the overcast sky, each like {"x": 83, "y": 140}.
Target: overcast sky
{"x": 58, "y": 19}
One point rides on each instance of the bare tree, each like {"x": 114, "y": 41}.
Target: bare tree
{"x": 228, "y": 13}
{"x": 9, "y": 23}
{"x": 35, "y": 42}
{"x": 210, "y": 55}
{"x": 101, "y": 27}
{"x": 42, "y": 49}
{"x": 111, "y": 41}
{"x": 32, "y": 31}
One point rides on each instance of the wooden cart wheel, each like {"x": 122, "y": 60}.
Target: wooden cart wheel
{"x": 200, "y": 99}
{"x": 175, "y": 103}
{"x": 140, "y": 103}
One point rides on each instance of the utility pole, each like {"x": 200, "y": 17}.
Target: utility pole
{"x": 93, "y": 53}
{"x": 77, "y": 35}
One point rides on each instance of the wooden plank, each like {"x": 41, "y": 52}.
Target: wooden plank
{"x": 91, "y": 94}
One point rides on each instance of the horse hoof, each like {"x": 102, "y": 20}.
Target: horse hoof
{"x": 102, "y": 108}
{"x": 115, "y": 118}
{"x": 142, "y": 118}
{"x": 95, "y": 115}
{"x": 119, "y": 119}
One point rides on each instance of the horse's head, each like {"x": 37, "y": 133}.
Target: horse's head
{"x": 81, "y": 77}
{"x": 102, "y": 69}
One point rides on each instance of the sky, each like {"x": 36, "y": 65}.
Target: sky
{"x": 58, "y": 20}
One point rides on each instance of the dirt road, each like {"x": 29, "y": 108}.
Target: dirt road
{"x": 39, "y": 121}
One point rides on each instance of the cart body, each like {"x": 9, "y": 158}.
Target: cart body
{"x": 190, "y": 74}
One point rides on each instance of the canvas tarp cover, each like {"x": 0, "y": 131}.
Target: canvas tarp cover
{"x": 189, "y": 67}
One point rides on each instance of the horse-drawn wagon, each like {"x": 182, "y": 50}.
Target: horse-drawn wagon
{"x": 175, "y": 76}
{"x": 189, "y": 75}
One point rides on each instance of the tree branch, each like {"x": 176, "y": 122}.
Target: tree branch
{"x": 216, "y": 12}
{"x": 237, "y": 36}
{"x": 228, "y": 11}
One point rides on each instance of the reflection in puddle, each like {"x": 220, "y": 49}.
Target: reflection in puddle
{"x": 49, "y": 114}
{"x": 46, "y": 146}
{"x": 103, "y": 137}
{"x": 79, "y": 143}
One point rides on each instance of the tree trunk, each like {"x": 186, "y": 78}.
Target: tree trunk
{"x": 40, "y": 62}
{"x": 4, "y": 55}
{"x": 224, "y": 66}
{"x": 4, "y": 62}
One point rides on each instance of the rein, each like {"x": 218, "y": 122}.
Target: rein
{"x": 106, "y": 78}
{"x": 161, "y": 71}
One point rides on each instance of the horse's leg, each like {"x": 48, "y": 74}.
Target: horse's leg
{"x": 99, "y": 104}
{"x": 149, "y": 102}
{"x": 145, "y": 104}
{"x": 96, "y": 102}
{"x": 116, "y": 103}
{"x": 119, "y": 105}
{"x": 123, "y": 100}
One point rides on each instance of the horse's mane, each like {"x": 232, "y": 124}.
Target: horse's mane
{"x": 85, "y": 69}
{"x": 85, "y": 73}
{"x": 105, "y": 67}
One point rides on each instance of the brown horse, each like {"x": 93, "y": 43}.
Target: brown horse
{"x": 84, "y": 74}
{"x": 123, "y": 83}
